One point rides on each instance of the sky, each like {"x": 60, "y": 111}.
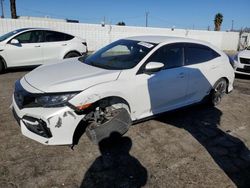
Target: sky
{"x": 188, "y": 14}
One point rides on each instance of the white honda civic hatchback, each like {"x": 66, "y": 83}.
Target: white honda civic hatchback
{"x": 128, "y": 80}
{"x": 35, "y": 46}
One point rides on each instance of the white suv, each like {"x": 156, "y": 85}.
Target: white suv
{"x": 129, "y": 79}
{"x": 35, "y": 46}
{"x": 242, "y": 62}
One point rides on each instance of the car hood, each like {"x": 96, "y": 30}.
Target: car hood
{"x": 68, "y": 75}
{"x": 244, "y": 54}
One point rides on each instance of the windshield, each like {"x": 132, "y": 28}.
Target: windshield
{"x": 7, "y": 35}
{"x": 119, "y": 55}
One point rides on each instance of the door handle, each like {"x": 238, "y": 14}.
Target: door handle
{"x": 37, "y": 46}
{"x": 181, "y": 75}
{"x": 214, "y": 67}
{"x": 64, "y": 44}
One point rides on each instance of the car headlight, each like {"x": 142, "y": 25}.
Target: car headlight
{"x": 54, "y": 100}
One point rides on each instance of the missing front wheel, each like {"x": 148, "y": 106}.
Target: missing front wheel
{"x": 117, "y": 120}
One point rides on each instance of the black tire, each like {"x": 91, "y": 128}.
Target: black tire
{"x": 2, "y": 67}
{"x": 71, "y": 54}
{"x": 218, "y": 91}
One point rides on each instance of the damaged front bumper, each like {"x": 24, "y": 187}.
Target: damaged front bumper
{"x": 49, "y": 126}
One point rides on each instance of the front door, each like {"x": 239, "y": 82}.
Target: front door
{"x": 28, "y": 51}
{"x": 166, "y": 89}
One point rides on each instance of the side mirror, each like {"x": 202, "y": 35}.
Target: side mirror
{"x": 152, "y": 67}
{"x": 14, "y": 41}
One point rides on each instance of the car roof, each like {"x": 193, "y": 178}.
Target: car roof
{"x": 164, "y": 39}
{"x": 35, "y": 28}
{"x": 38, "y": 28}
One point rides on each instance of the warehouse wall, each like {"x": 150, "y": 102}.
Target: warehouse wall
{"x": 98, "y": 36}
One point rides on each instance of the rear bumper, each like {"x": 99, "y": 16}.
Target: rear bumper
{"x": 49, "y": 126}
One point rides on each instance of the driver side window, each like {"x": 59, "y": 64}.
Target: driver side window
{"x": 170, "y": 55}
{"x": 30, "y": 37}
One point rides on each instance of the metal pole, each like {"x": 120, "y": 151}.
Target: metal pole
{"x": 232, "y": 25}
{"x": 147, "y": 13}
{"x": 2, "y": 8}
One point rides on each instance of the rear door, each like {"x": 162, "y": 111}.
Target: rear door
{"x": 28, "y": 51}
{"x": 55, "y": 45}
{"x": 202, "y": 65}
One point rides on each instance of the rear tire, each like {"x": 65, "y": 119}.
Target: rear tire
{"x": 218, "y": 91}
{"x": 71, "y": 55}
{"x": 2, "y": 67}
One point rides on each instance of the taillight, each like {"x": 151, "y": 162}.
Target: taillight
{"x": 85, "y": 44}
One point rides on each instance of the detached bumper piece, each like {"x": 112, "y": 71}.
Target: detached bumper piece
{"x": 37, "y": 126}
{"x": 16, "y": 116}
{"x": 119, "y": 123}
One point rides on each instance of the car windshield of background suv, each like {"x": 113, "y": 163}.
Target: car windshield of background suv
{"x": 7, "y": 35}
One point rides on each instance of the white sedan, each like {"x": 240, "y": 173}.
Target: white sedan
{"x": 130, "y": 79}
{"x": 35, "y": 46}
{"x": 242, "y": 62}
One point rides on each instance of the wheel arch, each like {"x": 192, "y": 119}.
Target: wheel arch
{"x": 227, "y": 80}
{"x": 71, "y": 51}
{"x": 115, "y": 99}
{"x": 4, "y": 62}
{"x": 81, "y": 127}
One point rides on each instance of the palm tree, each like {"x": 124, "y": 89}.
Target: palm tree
{"x": 13, "y": 9}
{"x": 121, "y": 23}
{"x": 218, "y": 21}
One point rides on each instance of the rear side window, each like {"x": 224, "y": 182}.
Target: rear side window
{"x": 53, "y": 36}
{"x": 196, "y": 53}
{"x": 68, "y": 37}
{"x": 170, "y": 55}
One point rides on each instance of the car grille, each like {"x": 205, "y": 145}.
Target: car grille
{"x": 245, "y": 69}
{"x": 244, "y": 60}
{"x": 22, "y": 97}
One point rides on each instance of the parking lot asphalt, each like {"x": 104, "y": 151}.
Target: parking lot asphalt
{"x": 199, "y": 146}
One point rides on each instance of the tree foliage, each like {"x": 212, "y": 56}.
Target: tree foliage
{"x": 218, "y": 21}
{"x": 121, "y": 23}
{"x": 13, "y": 9}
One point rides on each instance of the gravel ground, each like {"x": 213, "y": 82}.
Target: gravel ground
{"x": 197, "y": 147}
